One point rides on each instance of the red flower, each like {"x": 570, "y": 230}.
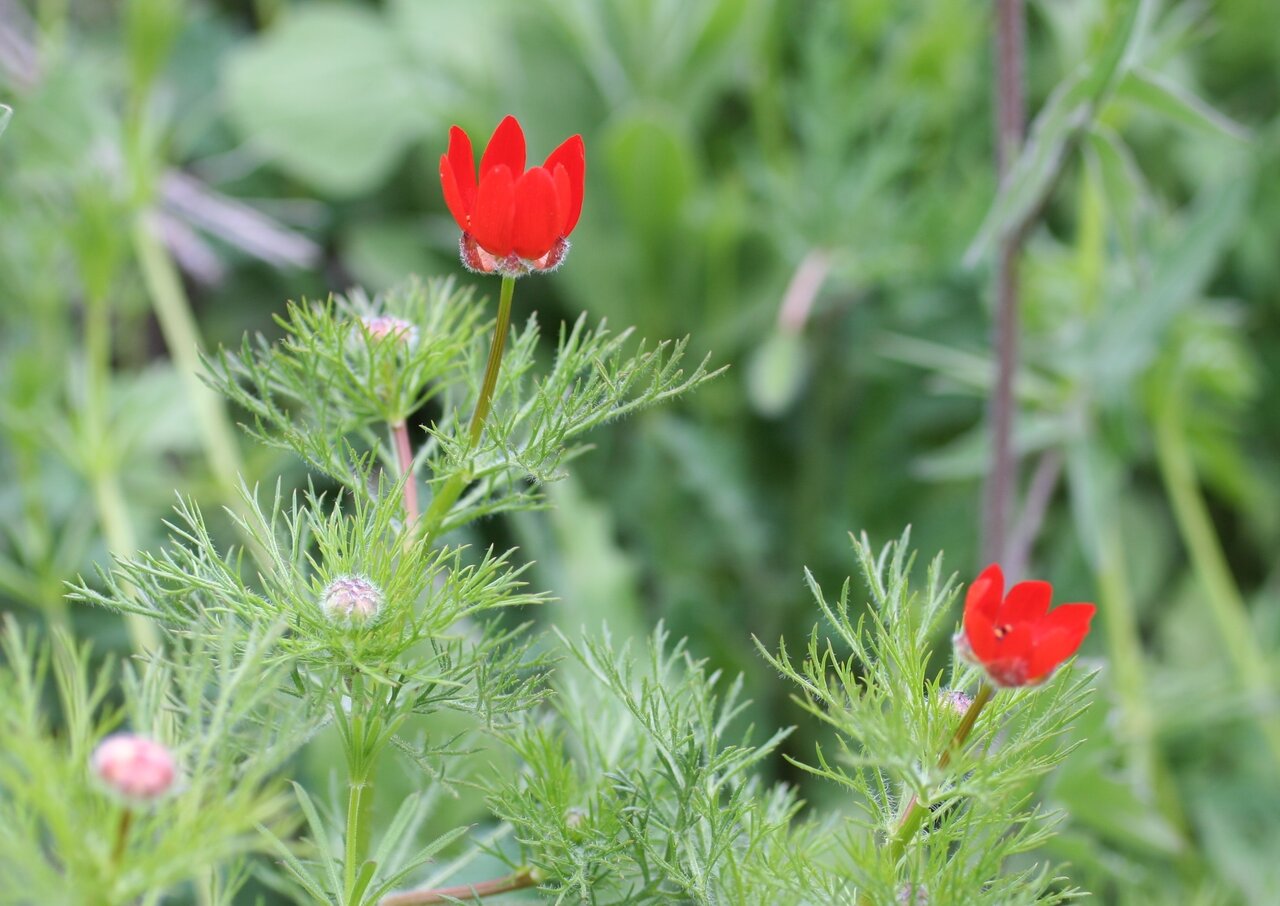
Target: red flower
{"x": 513, "y": 220}
{"x": 1016, "y": 638}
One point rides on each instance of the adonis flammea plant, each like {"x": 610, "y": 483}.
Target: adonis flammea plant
{"x": 357, "y": 620}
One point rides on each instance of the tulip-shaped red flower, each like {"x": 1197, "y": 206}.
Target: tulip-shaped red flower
{"x": 1016, "y": 638}
{"x": 513, "y": 220}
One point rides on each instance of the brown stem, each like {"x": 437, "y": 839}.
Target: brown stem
{"x": 122, "y": 836}
{"x": 525, "y": 877}
{"x": 404, "y": 452}
{"x": 1010, "y": 123}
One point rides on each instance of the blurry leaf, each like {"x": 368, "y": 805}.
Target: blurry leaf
{"x": 1095, "y": 479}
{"x": 967, "y": 457}
{"x": 651, "y": 165}
{"x": 5, "y": 114}
{"x": 151, "y": 26}
{"x": 381, "y": 252}
{"x": 599, "y": 579}
{"x": 1111, "y": 807}
{"x": 1124, "y": 189}
{"x": 1173, "y": 101}
{"x": 1126, "y": 342}
{"x": 444, "y": 36}
{"x": 331, "y": 95}
{"x": 777, "y": 372}
{"x": 1068, "y": 110}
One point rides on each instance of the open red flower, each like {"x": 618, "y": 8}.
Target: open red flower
{"x": 1016, "y": 638}
{"x": 513, "y": 220}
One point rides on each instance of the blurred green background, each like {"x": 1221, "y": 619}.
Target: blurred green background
{"x": 794, "y": 183}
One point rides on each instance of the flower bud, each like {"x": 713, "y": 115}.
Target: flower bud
{"x": 381, "y": 326}
{"x": 959, "y": 701}
{"x": 351, "y": 599}
{"x": 912, "y": 894}
{"x": 134, "y": 767}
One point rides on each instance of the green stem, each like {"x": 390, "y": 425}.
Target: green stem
{"x": 500, "y": 330}
{"x": 359, "y": 812}
{"x": 517, "y": 880}
{"x": 104, "y": 478}
{"x": 1210, "y": 563}
{"x": 914, "y": 814}
{"x": 173, "y": 311}
{"x": 457, "y": 482}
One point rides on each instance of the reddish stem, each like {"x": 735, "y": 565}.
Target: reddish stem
{"x": 1010, "y": 123}
{"x": 525, "y": 877}
{"x": 404, "y": 453}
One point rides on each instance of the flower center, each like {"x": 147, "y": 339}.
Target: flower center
{"x": 1003, "y": 630}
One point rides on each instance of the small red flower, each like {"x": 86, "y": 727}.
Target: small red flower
{"x": 1016, "y": 638}
{"x": 513, "y": 220}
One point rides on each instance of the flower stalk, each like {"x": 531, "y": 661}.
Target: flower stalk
{"x": 913, "y": 815}
{"x": 453, "y": 488}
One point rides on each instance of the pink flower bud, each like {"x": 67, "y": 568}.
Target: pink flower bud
{"x": 388, "y": 326}
{"x": 351, "y": 599}
{"x": 134, "y": 767}
{"x": 911, "y": 894}
{"x": 958, "y": 701}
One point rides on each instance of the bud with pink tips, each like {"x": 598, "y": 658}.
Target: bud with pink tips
{"x": 353, "y": 600}
{"x": 134, "y": 767}
{"x": 380, "y": 326}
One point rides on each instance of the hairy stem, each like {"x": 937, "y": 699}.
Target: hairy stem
{"x": 1010, "y": 116}
{"x": 1210, "y": 563}
{"x": 404, "y": 454}
{"x": 914, "y": 814}
{"x": 518, "y": 880}
{"x": 452, "y": 490}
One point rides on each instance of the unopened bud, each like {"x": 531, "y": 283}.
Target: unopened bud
{"x": 958, "y": 701}
{"x": 912, "y": 894}
{"x": 351, "y": 599}
{"x": 381, "y": 326}
{"x": 134, "y": 767}
{"x": 574, "y": 817}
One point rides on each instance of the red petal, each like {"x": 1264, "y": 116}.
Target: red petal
{"x": 1026, "y": 601}
{"x": 980, "y": 632}
{"x": 986, "y": 592}
{"x": 453, "y": 195}
{"x": 463, "y": 161}
{"x": 495, "y": 207}
{"x": 505, "y": 148}
{"x": 564, "y": 196}
{"x": 1011, "y": 665}
{"x": 1058, "y": 636}
{"x": 572, "y": 154}
{"x": 536, "y": 226}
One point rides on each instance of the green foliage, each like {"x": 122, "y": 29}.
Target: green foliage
{"x": 872, "y": 679}
{"x": 639, "y": 789}
{"x": 328, "y": 384}
{"x": 214, "y": 701}
{"x": 732, "y": 144}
